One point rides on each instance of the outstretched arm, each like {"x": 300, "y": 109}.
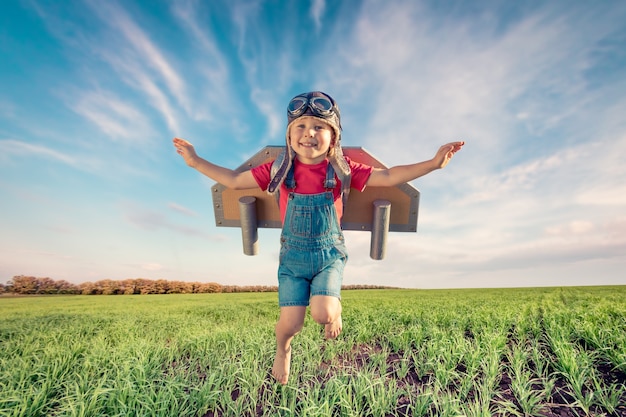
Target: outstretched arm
{"x": 227, "y": 177}
{"x": 388, "y": 177}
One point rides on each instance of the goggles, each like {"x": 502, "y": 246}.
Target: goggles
{"x": 320, "y": 106}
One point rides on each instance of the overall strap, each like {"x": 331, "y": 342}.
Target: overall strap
{"x": 330, "y": 183}
{"x": 290, "y": 181}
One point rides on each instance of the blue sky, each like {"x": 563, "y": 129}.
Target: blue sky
{"x": 91, "y": 93}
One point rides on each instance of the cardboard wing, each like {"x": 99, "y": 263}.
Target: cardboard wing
{"x": 377, "y": 209}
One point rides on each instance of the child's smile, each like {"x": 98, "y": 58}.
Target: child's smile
{"x": 310, "y": 138}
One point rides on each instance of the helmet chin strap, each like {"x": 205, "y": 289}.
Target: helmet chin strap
{"x": 342, "y": 170}
{"x": 280, "y": 168}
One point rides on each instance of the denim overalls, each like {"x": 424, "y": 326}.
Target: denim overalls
{"x": 312, "y": 252}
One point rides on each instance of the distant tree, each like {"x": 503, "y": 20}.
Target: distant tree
{"x": 209, "y": 287}
{"x": 46, "y": 286}
{"x": 144, "y": 286}
{"x": 64, "y": 287}
{"x": 89, "y": 288}
{"x": 22, "y": 284}
{"x": 127, "y": 287}
{"x": 161, "y": 286}
{"x": 180, "y": 287}
{"x": 147, "y": 287}
{"x": 108, "y": 287}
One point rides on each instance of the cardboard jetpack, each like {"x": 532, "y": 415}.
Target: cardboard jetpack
{"x": 377, "y": 209}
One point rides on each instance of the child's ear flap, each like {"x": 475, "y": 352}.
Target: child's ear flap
{"x": 331, "y": 148}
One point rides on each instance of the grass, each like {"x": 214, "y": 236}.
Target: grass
{"x": 522, "y": 352}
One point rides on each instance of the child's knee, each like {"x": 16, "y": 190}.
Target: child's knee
{"x": 322, "y": 316}
{"x": 325, "y": 309}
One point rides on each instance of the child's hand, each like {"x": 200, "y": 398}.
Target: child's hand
{"x": 446, "y": 152}
{"x": 186, "y": 150}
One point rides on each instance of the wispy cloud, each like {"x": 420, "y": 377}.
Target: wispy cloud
{"x": 114, "y": 116}
{"x": 181, "y": 209}
{"x": 267, "y": 103}
{"x": 143, "y": 49}
{"x": 214, "y": 63}
{"x": 115, "y": 38}
{"x": 317, "y": 11}
{"x": 152, "y": 267}
{"x": 525, "y": 177}
{"x": 428, "y": 77}
{"x": 10, "y": 147}
{"x": 151, "y": 220}
{"x": 270, "y": 61}
{"x": 137, "y": 78}
{"x": 213, "y": 90}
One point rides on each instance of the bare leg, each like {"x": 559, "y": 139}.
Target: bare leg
{"x": 289, "y": 324}
{"x": 326, "y": 310}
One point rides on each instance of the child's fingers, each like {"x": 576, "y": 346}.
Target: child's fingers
{"x": 182, "y": 144}
{"x": 455, "y": 146}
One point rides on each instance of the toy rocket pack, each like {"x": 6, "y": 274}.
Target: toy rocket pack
{"x": 378, "y": 210}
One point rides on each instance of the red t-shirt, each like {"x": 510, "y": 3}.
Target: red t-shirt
{"x": 310, "y": 180}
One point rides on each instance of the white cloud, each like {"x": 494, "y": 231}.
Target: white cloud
{"x": 573, "y": 228}
{"x": 151, "y": 220}
{"x": 20, "y": 148}
{"x": 267, "y": 104}
{"x": 114, "y": 116}
{"x": 215, "y": 90}
{"x": 181, "y": 209}
{"x": 317, "y": 11}
{"x": 152, "y": 267}
{"x": 139, "y": 79}
{"x": 143, "y": 49}
{"x": 429, "y": 78}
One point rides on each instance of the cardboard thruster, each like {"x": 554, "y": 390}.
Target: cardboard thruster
{"x": 377, "y": 209}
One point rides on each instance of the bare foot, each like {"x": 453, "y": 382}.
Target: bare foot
{"x": 333, "y": 329}
{"x": 282, "y": 363}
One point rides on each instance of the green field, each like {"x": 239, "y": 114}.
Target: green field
{"x": 526, "y": 352}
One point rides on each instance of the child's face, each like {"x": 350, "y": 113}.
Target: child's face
{"x": 311, "y": 139}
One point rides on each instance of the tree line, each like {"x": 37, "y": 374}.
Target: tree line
{"x": 25, "y": 285}
{"x": 29, "y": 285}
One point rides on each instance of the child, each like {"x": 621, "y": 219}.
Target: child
{"x": 311, "y": 179}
